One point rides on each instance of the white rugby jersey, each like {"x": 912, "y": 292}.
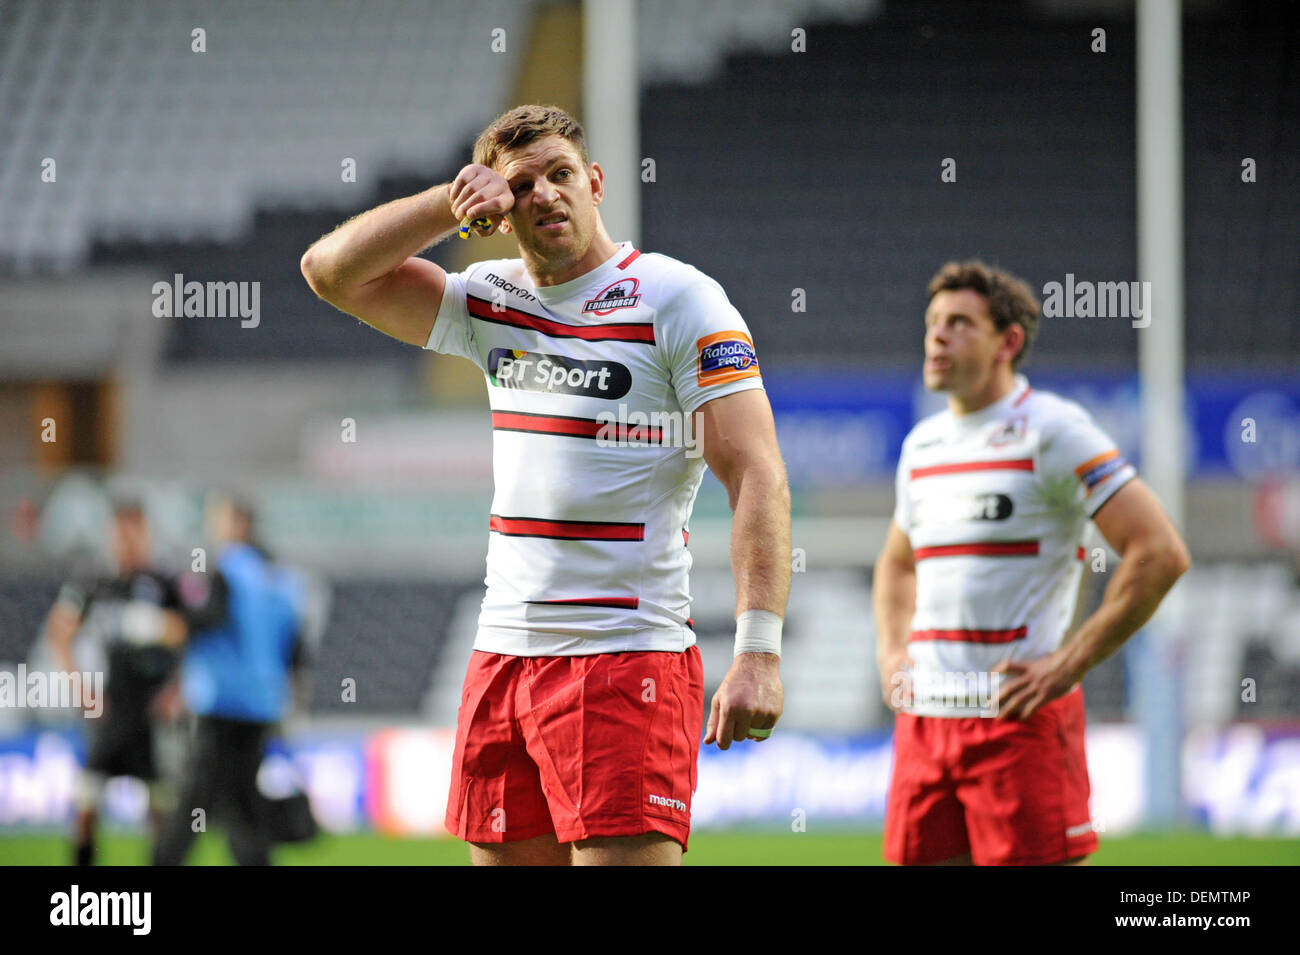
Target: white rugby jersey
{"x": 596, "y": 456}
{"x": 996, "y": 505}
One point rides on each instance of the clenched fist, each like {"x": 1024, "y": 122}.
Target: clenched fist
{"x": 479, "y": 191}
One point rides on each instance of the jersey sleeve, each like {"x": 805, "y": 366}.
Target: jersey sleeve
{"x": 453, "y": 330}
{"x": 1081, "y": 464}
{"x": 75, "y": 594}
{"x": 708, "y": 348}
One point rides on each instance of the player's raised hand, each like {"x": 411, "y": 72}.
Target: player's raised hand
{"x": 478, "y": 191}
{"x": 750, "y": 698}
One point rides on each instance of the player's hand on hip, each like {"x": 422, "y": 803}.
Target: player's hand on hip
{"x": 478, "y": 191}
{"x": 1025, "y": 687}
{"x": 750, "y": 698}
{"x": 896, "y": 679}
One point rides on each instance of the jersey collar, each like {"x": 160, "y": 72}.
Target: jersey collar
{"x": 1000, "y": 407}
{"x": 554, "y": 294}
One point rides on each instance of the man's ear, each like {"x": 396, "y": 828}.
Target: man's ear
{"x": 504, "y": 226}
{"x": 597, "y": 177}
{"x": 1012, "y": 343}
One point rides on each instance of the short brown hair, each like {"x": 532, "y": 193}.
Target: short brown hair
{"x": 516, "y": 128}
{"x": 1010, "y": 300}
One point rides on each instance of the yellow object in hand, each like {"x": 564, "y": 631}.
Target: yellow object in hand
{"x": 482, "y": 222}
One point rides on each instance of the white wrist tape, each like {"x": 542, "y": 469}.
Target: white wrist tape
{"x": 142, "y": 623}
{"x": 758, "y": 631}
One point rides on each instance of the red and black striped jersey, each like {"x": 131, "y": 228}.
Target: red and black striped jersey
{"x": 593, "y": 386}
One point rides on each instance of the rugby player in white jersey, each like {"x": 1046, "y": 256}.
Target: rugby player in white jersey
{"x": 609, "y": 371}
{"x": 976, "y": 585}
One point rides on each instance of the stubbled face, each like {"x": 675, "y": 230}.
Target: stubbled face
{"x": 556, "y": 195}
{"x": 130, "y": 541}
{"x": 962, "y": 343}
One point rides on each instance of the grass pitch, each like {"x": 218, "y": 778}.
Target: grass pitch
{"x": 739, "y": 847}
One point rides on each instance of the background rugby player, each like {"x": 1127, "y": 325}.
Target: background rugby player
{"x": 135, "y": 613}
{"x": 979, "y": 575}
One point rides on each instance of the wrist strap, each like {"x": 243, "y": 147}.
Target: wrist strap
{"x": 758, "y": 631}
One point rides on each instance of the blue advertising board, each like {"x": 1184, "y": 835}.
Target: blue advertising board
{"x": 840, "y": 427}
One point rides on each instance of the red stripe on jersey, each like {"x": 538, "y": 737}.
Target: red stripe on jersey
{"x": 1019, "y": 400}
{"x": 629, "y": 260}
{"x": 568, "y": 426}
{"x": 642, "y": 333}
{"x": 1012, "y": 464}
{"x": 566, "y": 530}
{"x": 623, "y": 603}
{"x": 1080, "y": 554}
{"x": 999, "y": 549}
{"x": 971, "y": 636}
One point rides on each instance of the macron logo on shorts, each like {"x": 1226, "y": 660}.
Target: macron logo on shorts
{"x": 666, "y": 802}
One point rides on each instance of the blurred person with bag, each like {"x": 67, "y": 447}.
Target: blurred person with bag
{"x": 236, "y": 680}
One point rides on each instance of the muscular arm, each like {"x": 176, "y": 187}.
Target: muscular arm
{"x": 1152, "y": 558}
{"x": 893, "y": 593}
{"x": 893, "y": 598}
{"x": 739, "y": 444}
{"x": 368, "y": 267}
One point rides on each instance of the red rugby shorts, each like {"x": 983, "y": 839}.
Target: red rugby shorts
{"x": 1008, "y": 792}
{"x": 582, "y": 746}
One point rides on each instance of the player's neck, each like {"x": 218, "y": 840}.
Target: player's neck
{"x": 999, "y": 385}
{"x": 598, "y": 252}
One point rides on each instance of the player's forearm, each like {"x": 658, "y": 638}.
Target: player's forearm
{"x": 893, "y": 598}
{"x": 377, "y": 242}
{"x": 62, "y": 650}
{"x": 1131, "y": 598}
{"x": 60, "y": 632}
{"x": 63, "y": 657}
{"x": 760, "y": 541}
